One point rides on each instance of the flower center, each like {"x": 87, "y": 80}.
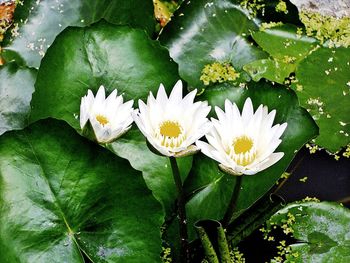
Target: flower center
{"x": 243, "y": 151}
{"x": 170, "y": 129}
{"x": 102, "y": 119}
{"x": 170, "y": 134}
{"x": 242, "y": 144}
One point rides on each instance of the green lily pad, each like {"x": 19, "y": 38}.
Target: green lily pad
{"x": 211, "y": 189}
{"x": 286, "y": 48}
{"x": 63, "y": 196}
{"x": 16, "y": 88}
{"x": 323, "y": 88}
{"x": 37, "y": 23}
{"x": 103, "y": 54}
{"x": 270, "y": 69}
{"x": 322, "y": 231}
{"x": 204, "y": 32}
{"x": 283, "y": 42}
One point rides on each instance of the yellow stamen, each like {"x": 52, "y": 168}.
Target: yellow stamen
{"x": 102, "y": 119}
{"x": 242, "y": 144}
{"x": 242, "y": 150}
{"x": 170, "y": 129}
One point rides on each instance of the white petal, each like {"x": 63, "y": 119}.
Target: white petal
{"x": 272, "y": 159}
{"x": 84, "y": 114}
{"x": 270, "y": 118}
{"x": 199, "y": 133}
{"x": 209, "y": 151}
{"x": 139, "y": 122}
{"x": 220, "y": 114}
{"x": 176, "y": 93}
{"x": 248, "y": 111}
{"x": 158, "y": 147}
{"x": 102, "y": 133}
{"x": 250, "y": 172}
{"x": 214, "y": 139}
{"x": 100, "y": 96}
{"x": 112, "y": 96}
{"x": 189, "y": 98}
{"x": 281, "y": 130}
{"x": 161, "y": 95}
{"x": 142, "y": 106}
{"x": 255, "y": 123}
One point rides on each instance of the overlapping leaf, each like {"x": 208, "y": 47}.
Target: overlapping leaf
{"x": 118, "y": 57}
{"x": 62, "y": 196}
{"x": 39, "y": 22}
{"x": 321, "y": 230}
{"x": 283, "y": 41}
{"x": 286, "y": 48}
{"x": 203, "y": 32}
{"x": 16, "y": 88}
{"x": 323, "y": 88}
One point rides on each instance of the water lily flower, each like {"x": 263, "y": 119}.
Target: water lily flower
{"x": 172, "y": 125}
{"x": 243, "y": 143}
{"x": 109, "y": 117}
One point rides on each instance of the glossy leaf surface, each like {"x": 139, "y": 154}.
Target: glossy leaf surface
{"x": 203, "y": 32}
{"x": 62, "y": 196}
{"x": 321, "y": 230}
{"x": 286, "y": 48}
{"x": 39, "y": 22}
{"x": 117, "y": 57}
{"x": 16, "y": 88}
{"x": 323, "y": 88}
{"x": 270, "y": 69}
{"x": 283, "y": 41}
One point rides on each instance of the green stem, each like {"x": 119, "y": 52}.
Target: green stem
{"x": 223, "y": 246}
{"x": 214, "y": 242}
{"x": 209, "y": 251}
{"x": 233, "y": 202}
{"x": 181, "y": 211}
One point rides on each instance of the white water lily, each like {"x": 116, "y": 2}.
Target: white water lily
{"x": 244, "y": 143}
{"x": 109, "y": 117}
{"x": 172, "y": 125}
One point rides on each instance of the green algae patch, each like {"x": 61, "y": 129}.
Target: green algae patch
{"x": 268, "y": 25}
{"x": 218, "y": 73}
{"x": 282, "y": 7}
{"x": 327, "y": 28}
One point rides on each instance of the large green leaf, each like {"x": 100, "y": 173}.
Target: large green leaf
{"x": 39, "y": 22}
{"x": 116, "y": 57}
{"x": 286, "y": 48}
{"x": 323, "y": 88}
{"x": 282, "y": 41}
{"x": 211, "y": 189}
{"x": 203, "y": 32}
{"x": 85, "y": 58}
{"x": 62, "y": 196}
{"x": 323, "y": 80}
{"x": 322, "y": 231}
{"x": 270, "y": 69}
{"x": 156, "y": 169}
{"x": 16, "y": 88}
